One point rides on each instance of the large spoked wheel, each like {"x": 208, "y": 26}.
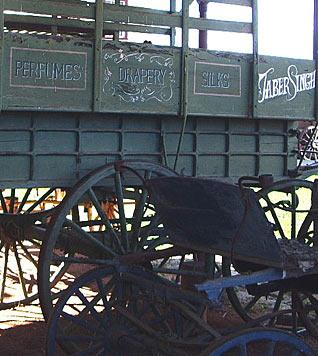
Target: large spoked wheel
{"x": 261, "y": 342}
{"x": 128, "y": 311}
{"x": 286, "y": 205}
{"x": 23, "y": 220}
{"x": 107, "y": 214}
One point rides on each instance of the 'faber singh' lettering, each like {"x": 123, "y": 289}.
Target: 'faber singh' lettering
{"x": 288, "y": 86}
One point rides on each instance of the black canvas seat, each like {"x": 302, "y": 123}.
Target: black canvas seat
{"x": 211, "y": 215}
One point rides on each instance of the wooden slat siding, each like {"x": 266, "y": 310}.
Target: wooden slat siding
{"x": 45, "y": 7}
{"x": 136, "y": 28}
{"x": 218, "y": 25}
{"x": 130, "y": 19}
{"x": 234, "y": 2}
{"x": 20, "y": 21}
{"x": 44, "y": 23}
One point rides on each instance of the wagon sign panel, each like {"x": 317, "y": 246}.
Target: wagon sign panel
{"x": 139, "y": 80}
{"x": 48, "y": 69}
{"x": 51, "y": 74}
{"x": 286, "y": 88}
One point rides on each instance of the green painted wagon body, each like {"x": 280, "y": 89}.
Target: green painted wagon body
{"x": 74, "y": 97}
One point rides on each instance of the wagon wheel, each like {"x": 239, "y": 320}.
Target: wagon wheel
{"x": 261, "y": 342}
{"x": 288, "y": 214}
{"x": 129, "y": 311}
{"x": 23, "y": 220}
{"x": 312, "y": 149}
{"x": 107, "y": 214}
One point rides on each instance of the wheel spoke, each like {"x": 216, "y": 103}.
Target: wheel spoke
{"x": 139, "y": 213}
{"x": 39, "y": 201}
{"x": 90, "y": 307}
{"x": 277, "y": 305}
{"x": 294, "y": 200}
{"x": 89, "y": 237}
{"x": 78, "y": 320}
{"x": 104, "y": 219}
{"x": 275, "y": 218}
{"x": 28, "y": 254}
{"x": 5, "y": 269}
{"x": 24, "y": 200}
{"x": 12, "y": 201}
{"x": 21, "y": 277}
{"x": 3, "y": 203}
{"x": 251, "y": 303}
{"x": 243, "y": 350}
{"x": 271, "y": 348}
{"x": 121, "y": 209}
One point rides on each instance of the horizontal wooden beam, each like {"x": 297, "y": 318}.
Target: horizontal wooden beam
{"x": 218, "y": 25}
{"x": 233, "y": 2}
{"x": 141, "y": 16}
{"x": 81, "y": 17}
{"x": 136, "y": 28}
{"x": 46, "y": 7}
{"x": 38, "y": 21}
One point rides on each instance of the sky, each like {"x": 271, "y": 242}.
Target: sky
{"x": 285, "y": 27}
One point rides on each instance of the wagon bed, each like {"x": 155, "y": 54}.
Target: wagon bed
{"x": 75, "y": 95}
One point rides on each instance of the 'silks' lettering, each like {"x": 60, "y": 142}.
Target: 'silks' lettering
{"x": 215, "y": 80}
{"x": 142, "y": 76}
{"x": 288, "y": 86}
{"x": 48, "y": 70}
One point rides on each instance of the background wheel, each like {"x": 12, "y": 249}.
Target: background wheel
{"x": 107, "y": 214}
{"x": 23, "y": 220}
{"x": 286, "y": 205}
{"x": 308, "y": 134}
{"x": 260, "y": 342}
{"x": 127, "y": 312}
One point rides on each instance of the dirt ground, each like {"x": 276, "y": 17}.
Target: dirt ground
{"x": 23, "y": 330}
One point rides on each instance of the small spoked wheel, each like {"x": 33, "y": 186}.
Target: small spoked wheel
{"x": 24, "y": 216}
{"x": 107, "y": 214}
{"x": 309, "y": 139}
{"x": 128, "y": 311}
{"x": 260, "y": 342}
{"x": 287, "y": 205}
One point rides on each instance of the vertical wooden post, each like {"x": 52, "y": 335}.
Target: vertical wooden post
{"x": 1, "y": 51}
{"x": 203, "y": 34}
{"x": 173, "y": 9}
{"x": 315, "y": 56}
{"x": 99, "y": 21}
{"x": 184, "y": 75}
{"x": 255, "y": 64}
{"x": 116, "y": 34}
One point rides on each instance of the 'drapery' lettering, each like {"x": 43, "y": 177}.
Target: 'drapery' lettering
{"x": 289, "y": 86}
{"x": 48, "y": 70}
{"x": 142, "y": 76}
